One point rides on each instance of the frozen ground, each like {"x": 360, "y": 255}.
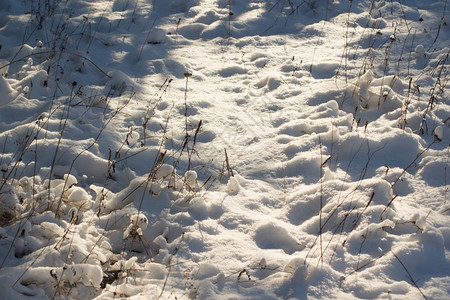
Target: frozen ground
{"x": 215, "y": 149}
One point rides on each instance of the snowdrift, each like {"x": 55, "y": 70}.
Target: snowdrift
{"x": 213, "y": 149}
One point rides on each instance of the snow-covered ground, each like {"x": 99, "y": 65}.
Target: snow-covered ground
{"x": 224, "y": 149}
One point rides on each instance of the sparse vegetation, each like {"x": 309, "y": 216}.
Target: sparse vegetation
{"x": 270, "y": 149}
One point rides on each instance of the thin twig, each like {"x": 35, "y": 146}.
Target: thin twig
{"x": 409, "y": 275}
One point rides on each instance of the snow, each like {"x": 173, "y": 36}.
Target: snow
{"x": 5, "y": 92}
{"x": 215, "y": 149}
{"x": 438, "y": 132}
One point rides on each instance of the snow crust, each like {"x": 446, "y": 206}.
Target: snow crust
{"x": 215, "y": 149}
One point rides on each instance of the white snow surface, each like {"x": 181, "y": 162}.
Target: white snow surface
{"x": 224, "y": 149}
